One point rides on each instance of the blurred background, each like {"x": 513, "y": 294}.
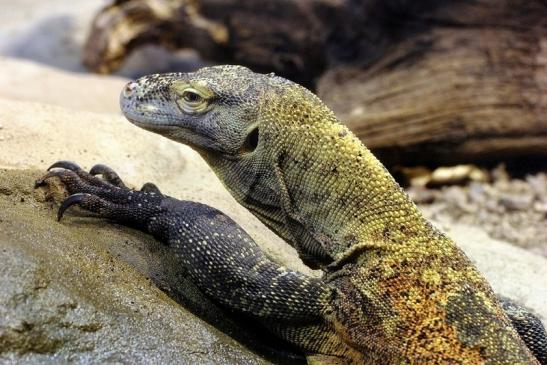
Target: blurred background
{"x": 421, "y": 82}
{"x": 450, "y": 95}
{"x": 54, "y": 32}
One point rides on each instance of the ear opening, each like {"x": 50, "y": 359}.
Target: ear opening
{"x": 251, "y": 142}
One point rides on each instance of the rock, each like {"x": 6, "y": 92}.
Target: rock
{"x": 417, "y": 176}
{"x": 538, "y": 183}
{"x": 500, "y": 174}
{"x": 421, "y": 195}
{"x": 83, "y": 291}
{"x": 458, "y": 174}
{"x": 516, "y": 202}
{"x": 456, "y": 197}
{"x": 454, "y": 175}
{"x": 477, "y": 193}
{"x": 540, "y": 207}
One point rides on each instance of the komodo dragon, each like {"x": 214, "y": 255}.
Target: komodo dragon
{"x": 395, "y": 290}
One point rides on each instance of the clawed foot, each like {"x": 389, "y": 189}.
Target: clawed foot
{"x": 108, "y": 196}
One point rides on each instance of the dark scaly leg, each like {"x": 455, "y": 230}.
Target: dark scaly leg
{"x": 529, "y": 327}
{"x": 221, "y": 258}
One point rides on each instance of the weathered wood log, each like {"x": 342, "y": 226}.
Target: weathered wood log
{"x": 283, "y": 36}
{"x": 462, "y": 82}
{"x": 420, "y": 82}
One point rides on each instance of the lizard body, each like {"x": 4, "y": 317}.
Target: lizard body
{"x": 406, "y": 292}
{"x": 395, "y": 289}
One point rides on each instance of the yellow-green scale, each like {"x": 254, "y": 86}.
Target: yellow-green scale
{"x": 358, "y": 210}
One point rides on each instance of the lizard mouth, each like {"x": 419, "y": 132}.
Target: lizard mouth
{"x": 152, "y": 127}
{"x": 179, "y": 133}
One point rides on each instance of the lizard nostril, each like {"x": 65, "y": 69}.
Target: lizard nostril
{"x": 129, "y": 89}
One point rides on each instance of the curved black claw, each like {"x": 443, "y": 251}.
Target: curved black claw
{"x": 108, "y": 174}
{"x": 69, "y": 165}
{"x": 73, "y": 199}
{"x": 100, "y": 169}
{"x": 151, "y": 188}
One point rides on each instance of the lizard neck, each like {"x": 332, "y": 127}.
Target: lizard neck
{"x": 343, "y": 196}
{"x": 316, "y": 185}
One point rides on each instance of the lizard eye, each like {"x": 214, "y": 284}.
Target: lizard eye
{"x": 192, "y": 97}
{"x": 192, "y": 101}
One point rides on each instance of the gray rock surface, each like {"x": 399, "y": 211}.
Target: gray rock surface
{"x": 84, "y": 291}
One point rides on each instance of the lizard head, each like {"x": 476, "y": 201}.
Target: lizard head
{"x": 220, "y": 110}
{"x": 213, "y": 110}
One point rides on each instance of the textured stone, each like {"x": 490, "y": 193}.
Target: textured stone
{"x": 83, "y": 291}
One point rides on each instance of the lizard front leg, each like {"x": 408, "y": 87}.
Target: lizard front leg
{"x": 221, "y": 258}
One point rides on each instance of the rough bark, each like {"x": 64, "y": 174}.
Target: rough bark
{"x": 465, "y": 82}
{"x": 428, "y": 81}
{"x": 283, "y": 36}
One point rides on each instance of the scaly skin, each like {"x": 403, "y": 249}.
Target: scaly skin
{"x": 395, "y": 290}
{"x": 405, "y": 291}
